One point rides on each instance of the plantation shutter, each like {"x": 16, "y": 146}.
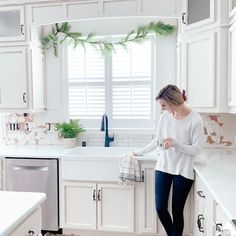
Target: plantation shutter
{"x": 120, "y": 84}
{"x": 131, "y": 82}
{"x": 86, "y": 83}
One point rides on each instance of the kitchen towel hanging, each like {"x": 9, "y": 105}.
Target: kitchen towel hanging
{"x": 129, "y": 170}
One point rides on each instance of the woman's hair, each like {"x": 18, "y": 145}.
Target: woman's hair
{"x": 172, "y": 95}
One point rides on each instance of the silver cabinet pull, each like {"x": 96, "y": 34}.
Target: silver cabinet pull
{"x": 183, "y": 18}
{"x": 200, "y": 194}
{"x": 22, "y": 30}
{"x": 99, "y": 195}
{"x": 24, "y": 97}
{"x": 41, "y": 168}
{"x": 142, "y": 176}
{"x": 200, "y": 220}
{"x": 94, "y": 195}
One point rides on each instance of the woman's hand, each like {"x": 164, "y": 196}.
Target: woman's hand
{"x": 168, "y": 143}
{"x": 136, "y": 154}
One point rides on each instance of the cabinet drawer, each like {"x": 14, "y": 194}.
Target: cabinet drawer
{"x": 207, "y": 202}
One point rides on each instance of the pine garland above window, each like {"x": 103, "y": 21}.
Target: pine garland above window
{"x": 138, "y": 35}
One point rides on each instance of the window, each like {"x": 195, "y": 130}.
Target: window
{"x": 120, "y": 85}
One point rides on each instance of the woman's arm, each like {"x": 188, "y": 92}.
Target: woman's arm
{"x": 148, "y": 148}
{"x": 154, "y": 144}
{"x": 197, "y": 140}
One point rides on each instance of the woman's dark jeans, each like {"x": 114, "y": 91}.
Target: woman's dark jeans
{"x": 181, "y": 187}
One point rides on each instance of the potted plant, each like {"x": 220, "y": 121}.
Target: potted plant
{"x": 69, "y": 132}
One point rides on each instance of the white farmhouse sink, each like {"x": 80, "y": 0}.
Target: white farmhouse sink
{"x": 92, "y": 163}
{"x": 95, "y": 152}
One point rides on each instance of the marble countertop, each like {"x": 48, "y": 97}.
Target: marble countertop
{"x": 58, "y": 151}
{"x": 15, "y": 207}
{"x": 215, "y": 166}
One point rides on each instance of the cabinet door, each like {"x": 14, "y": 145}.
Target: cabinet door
{"x": 78, "y": 205}
{"x": 37, "y": 78}
{"x": 198, "y": 71}
{"x": 31, "y": 223}
{"x": 147, "y": 216}
{"x": 199, "y": 221}
{"x": 1, "y": 174}
{"x": 115, "y": 207}
{"x": 160, "y": 7}
{"x": 13, "y": 78}
{"x": 47, "y": 14}
{"x": 197, "y": 13}
{"x": 12, "y": 26}
{"x": 232, "y": 69}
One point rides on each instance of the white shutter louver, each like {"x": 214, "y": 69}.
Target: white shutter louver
{"x": 86, "y": 78}
{"x": 131, "y": 77}
{"x": 120, "y": 85}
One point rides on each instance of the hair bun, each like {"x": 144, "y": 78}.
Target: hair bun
{"x": 184, "y": 95}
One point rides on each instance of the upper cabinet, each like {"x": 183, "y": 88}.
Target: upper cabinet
{"x": 231, "y": 64}
{"x": 13, "y": 80}
{"x": 196, "y": 13}
{"x": 203, "y": 59}
{"x": 22, "y": 78}
{"x": 12, "y": 23}
{"x": 42, "y": 14}
{"x": 232, "y": 7}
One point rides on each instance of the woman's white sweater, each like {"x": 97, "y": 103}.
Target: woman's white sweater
{"x": 187, "y": 134}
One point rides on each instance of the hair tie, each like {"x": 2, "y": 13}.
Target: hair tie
{"x": 184, "y": 95}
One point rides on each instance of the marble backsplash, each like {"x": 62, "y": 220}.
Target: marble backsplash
{"x": 219, "y": 129}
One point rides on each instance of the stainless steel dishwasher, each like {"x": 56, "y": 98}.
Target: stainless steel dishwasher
{"x": 36, "y": 175}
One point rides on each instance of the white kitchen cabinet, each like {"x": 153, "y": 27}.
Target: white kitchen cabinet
{"x": 1, "y": 174}
{"x": 232, "y": 70}
{"x": 203, "y": 69}
{"x": 232, "y": 7}
{"x": 97, "y": 206}
{"x": 12, "y": 23}
{"x": 13, "y": 79}
{"x": 43, "y": 14}
{"x": 147, "y": 219}
{"x": 36, "y": 70}
{"x": 22, "y": 78}
{"x": 204, "y": 210}
{"x": 32, "y": 223}
{"x": 197, "y": 13}
{"x": 146, "y": 210}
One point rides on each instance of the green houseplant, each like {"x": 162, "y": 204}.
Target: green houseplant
{"x": 69, "y": 132}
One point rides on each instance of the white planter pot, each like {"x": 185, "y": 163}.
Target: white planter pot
{"x": 69, "y": 142}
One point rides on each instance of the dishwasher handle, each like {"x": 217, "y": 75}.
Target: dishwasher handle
{"x": 38, "y": 168}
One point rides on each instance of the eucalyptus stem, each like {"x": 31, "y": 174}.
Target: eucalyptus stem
{"x": 138, "y": 35}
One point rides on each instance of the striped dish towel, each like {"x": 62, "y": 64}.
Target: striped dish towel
{"x": 129, "y": 170}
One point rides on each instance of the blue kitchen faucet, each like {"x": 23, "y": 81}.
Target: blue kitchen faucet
{"x": 104, "y": 127}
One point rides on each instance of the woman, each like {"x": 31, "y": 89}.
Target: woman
{"x": 179, "y": 139}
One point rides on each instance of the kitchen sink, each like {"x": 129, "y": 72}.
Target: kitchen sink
{"x": 94, "y": 151}
{"x": 92, "y": 163}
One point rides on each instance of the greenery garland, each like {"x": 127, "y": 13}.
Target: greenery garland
{"x": 138, "y": 35}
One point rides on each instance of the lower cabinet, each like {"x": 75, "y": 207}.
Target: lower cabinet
{"x": 32, "y": 223}
{"x": 95, "y": 206}
{"x": 1, "y": 174}
{"x": 148, "y": 221}
{"x": 204, "y": 210}
{"x": 110, "y": 208}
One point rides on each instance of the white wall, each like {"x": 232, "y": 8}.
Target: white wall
{"x": 166, "y": 69}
